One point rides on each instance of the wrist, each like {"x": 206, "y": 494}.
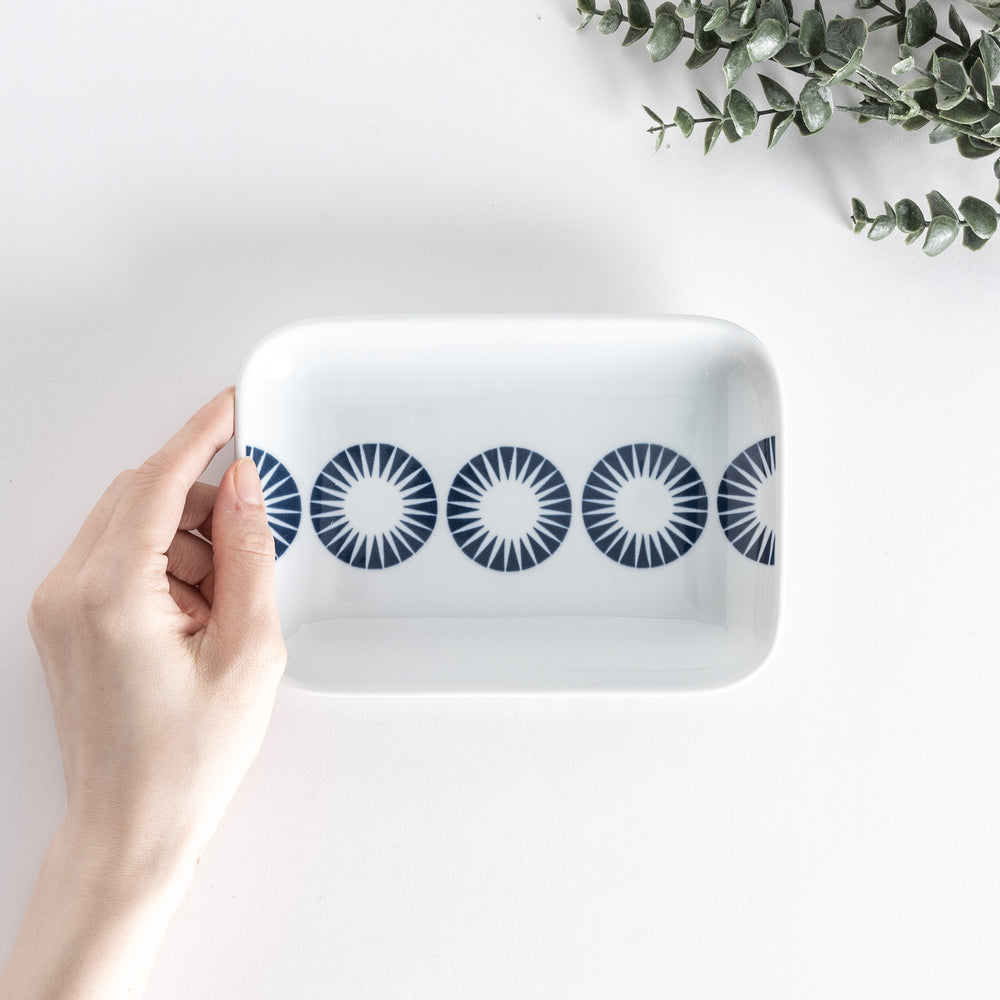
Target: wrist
{"x": 127, "y": 866}
{"x": 95, "y": 921}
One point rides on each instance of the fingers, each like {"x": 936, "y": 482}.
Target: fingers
{"x": 191, "y": 602}
{"x": 189, "y": 559}
{"x": 150, "y": 510}
{"x": 197, "y": 514}
{"x": 245, "y": 622}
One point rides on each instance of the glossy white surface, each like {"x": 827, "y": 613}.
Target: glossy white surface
{"x": 181, "y": 179}
{"x": 570, "y": 390}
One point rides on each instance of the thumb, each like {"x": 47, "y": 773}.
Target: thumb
{"x": 244, "y": 607}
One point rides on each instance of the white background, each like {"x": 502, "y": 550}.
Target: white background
{"x": 178, "y": 180}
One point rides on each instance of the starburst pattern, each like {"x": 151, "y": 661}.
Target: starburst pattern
{"x": 281, "y": 498}
{"x": 403, "y": 533}
{"x": 509, "y": 541}
{"x": 671, "y": 513}
{"x": 741, "y": 512}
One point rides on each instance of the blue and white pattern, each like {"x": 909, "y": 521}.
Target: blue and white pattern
{"x": 747, "y": 501}
{"x": 509, "y": 509}
{"x": 373, "y": 506}
{"x": 281, "y": 499}
{"x": 644, "y": 505}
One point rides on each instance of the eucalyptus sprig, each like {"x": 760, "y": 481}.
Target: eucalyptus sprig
{"x": 942, "y": 81}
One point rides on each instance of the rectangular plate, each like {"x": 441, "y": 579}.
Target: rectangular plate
{"x": 518, "y": 503}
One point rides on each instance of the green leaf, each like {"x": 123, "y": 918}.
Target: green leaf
{"x": 704, "y": 40}
{"x": 742, "y": 112}
{"x": 586, "y": 7}
{"x": 858, "y": 211}
{"x": 698, "y": 59}
{"x": 633, "y": 35}
{"x": 971, "y": 241}
{"x": 980, "y": 84}
{"x": 881, "y": 83}
{"x": 946, "y": 100}
{"x": 968, "y": 112}
{"x": 881, "y": 228}
{"x": 710, "y": 107}
{"x": 775, "y": 94}
{"x": 915, "y": 124}
{"x": 909, "y": 218}
{"x": 921, "y": 23}
{"x": 668, "y": 30}
{"x": 812, "y": 33}
{"x": 652, "y": 114}
{"x": 775, "y": 9}
{"x": 791, "y": 57}
{"x": 989, "y": 52}
{"x": 865, "y": 4}
{"x": 730, "y": 131}
{"x": 583, "y": 24}
{"x": 731, "y": 30}
{"x": 816, "y": 105}
{"x": 941, "y": 233}
{"x": 903, "y": 66}
{"x": 720, "y": 14}
{"x": 851, "y": 66}
{"x": 845, "y": 35}
{"x": 767, "y": 40}
{"x": 610, "y": 22}
{"x": 749, "y": 12}
{"x": 980, "y": 216}
{"x": 917, "y": 84}
{"x": 638, "y": 15}
{"x": 737, "y": 62}
{"x": 779, "y": 125}
{"x": 951, "y": 74}
{"x": 974, "y": 149}
{"x": 684, "y": 121}
{"x": 942, "y": 133}
{"x": 957, "y": 25}
{"x": 940, "y": 206}
{"x": 886, "y": 21}
{"x": 712, "y": 134}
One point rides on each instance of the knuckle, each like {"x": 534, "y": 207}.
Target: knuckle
{"x": 157, "y": 468}
{"x": 45, "y": 607}
{"x": 101, "y": 582}
{"x": 124, "y": 479}
{"x": 256, "y": 546}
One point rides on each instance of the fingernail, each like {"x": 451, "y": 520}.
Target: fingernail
{"x": 248, "y": 487}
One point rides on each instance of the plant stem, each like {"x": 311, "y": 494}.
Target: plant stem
{"x": 705, "y": 121}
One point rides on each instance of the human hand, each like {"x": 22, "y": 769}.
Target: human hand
{"x": 162, "y": 652}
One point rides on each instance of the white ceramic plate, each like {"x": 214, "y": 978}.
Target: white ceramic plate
{"x": 518, "y": 503}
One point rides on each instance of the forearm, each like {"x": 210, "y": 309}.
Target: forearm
{"x": 94, "y": 926}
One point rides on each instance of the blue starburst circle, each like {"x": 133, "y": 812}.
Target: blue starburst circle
{"x": 281, "y": 498}
{"x": 509, "y": 509}
{"x": 745, "y": 501}
{"x": 373, "y": 506}
{"x": 644, "y": 505}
